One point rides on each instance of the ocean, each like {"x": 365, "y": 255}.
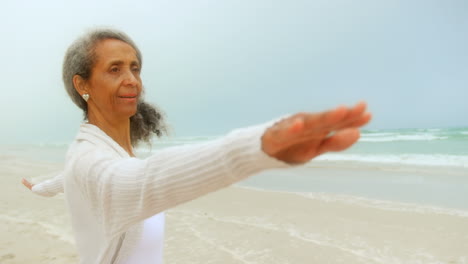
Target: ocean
{"x": 428, "y": 147}
{"x": 428, "y": 166}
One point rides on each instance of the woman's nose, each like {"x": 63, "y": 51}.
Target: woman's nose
{"x": 130, "y": 78}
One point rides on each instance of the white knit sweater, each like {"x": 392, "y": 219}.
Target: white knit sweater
{"x": 109, "y": 193}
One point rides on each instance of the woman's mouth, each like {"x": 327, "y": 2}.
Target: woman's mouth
{"x": 129, "y": 97}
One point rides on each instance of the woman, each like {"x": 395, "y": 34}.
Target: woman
{"x": 116, "y": 201}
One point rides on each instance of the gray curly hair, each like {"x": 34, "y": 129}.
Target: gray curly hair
{"x": 80, "y": 59}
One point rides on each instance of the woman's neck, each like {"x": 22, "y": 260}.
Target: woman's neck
{"x": 118, "y": 130}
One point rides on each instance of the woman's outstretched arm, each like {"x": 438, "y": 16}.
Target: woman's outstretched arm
{"x": 126, "y": 191}
{"x": 304, "y": 136}
{"x": 47, "y": 188}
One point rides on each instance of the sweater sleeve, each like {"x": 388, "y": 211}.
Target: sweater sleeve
{"x": 126, "y": 191}
{"x": 49, "y": 188}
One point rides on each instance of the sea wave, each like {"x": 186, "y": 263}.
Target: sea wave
{"x": 407, "y": 159}
{"x": 367, "y": 136}
{"x": 389, "y": 137}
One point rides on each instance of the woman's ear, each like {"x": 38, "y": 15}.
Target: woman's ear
{"x": 80, "y": 84}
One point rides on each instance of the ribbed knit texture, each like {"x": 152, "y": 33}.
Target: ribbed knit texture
{"x": 109, "y": 193}
{"x": 49, "y": 187}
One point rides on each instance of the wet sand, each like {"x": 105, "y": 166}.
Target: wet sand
{"x": 239, "y": 225}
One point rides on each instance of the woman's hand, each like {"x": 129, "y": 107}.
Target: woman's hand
{"x": 26, "y": 183}
{"x": 304, "y": 136}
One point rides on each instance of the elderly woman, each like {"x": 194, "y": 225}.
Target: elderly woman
{"x": 116, "y": 200}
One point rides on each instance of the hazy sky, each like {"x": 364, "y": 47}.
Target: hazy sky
{"x": 216, "y": 65}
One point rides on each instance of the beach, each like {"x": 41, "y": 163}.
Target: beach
{"x": 112, "y": 78}
{"x": 247, "y": 224}
{"x": 34, "y": 229}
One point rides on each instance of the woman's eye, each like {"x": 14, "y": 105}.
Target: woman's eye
{"x": 136, "y": 69}
{"x": 114, "y": 69}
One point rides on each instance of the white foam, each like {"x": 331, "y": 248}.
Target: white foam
{"x": 380, "y": 134}
{"x": 384, "y": 137}
{"x": 407, "y": 159}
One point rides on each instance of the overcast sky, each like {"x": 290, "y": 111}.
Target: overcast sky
{"x": 216, "y": 65}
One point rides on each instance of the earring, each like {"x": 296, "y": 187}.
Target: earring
{"x": 85, "y": 97}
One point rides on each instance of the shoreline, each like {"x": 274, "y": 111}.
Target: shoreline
{"x": 312, "y": 230}
{"x": 386, "y": 205}
{"x": 252, "y": 225}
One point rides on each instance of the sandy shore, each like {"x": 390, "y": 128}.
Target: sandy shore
{"x": 34, "y": 229}
{"x": 238, "y": 225}
{"x": 244, "y": 226}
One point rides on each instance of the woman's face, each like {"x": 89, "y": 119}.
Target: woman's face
{"x": 115, "y": 85}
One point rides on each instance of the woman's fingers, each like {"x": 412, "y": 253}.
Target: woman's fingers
{"x": 363, "y": 120}
{"x": 297, "y": 129}
{"x": 358, "y": 117}
{"x": 356, "y": 123}
{"x": 27, "y": 184}
{"x": 308, "y": 127}
{"x": 318, "y": 122}
{"x": 324, "y": 120}
{"x": 341, "y": 140}
{"x": 358, "y": 109}
{"x": 307, "y": 150}
{"x": 355, "y": 113}
{"x": 335, "y": 118}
